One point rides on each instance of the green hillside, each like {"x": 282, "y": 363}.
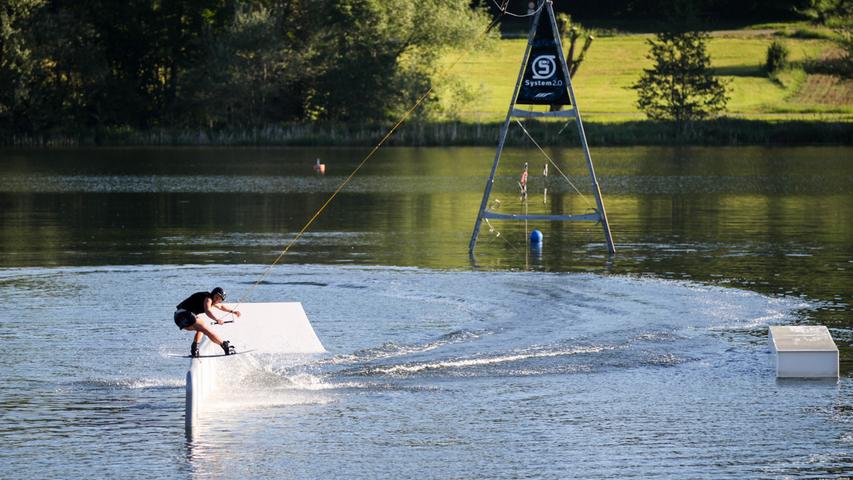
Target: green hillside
{"x": 614, "y": 63}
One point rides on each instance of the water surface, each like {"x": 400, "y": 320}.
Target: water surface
{"x": 557, "y": 363}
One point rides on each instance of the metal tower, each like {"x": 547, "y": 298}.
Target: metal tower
{"x": 543, "y": 80}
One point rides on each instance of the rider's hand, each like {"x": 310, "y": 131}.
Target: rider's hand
{"x": 218, "y": 321}
{"x": 236, "y": 313}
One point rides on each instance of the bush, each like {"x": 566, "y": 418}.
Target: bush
{"x": 777, "y": 57}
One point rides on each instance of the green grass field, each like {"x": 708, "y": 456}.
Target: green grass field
{"x": 613, "y": 64}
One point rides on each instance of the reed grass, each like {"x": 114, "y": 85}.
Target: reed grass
{"x": 723, "y": 131}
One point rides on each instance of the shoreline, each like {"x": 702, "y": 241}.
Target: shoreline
{"x": 717, "y": 132}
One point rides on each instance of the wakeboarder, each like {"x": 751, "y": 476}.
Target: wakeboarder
{"x": 186, "y": 318}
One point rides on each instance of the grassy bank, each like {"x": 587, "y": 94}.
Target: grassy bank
{"x": 614, "y": 63}
{"x": 712, "y": 132}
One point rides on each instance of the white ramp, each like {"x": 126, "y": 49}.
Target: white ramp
{"x": 804, "y": 351}
{"x": 265, "y": 327}
{"x": 262, "y": 327}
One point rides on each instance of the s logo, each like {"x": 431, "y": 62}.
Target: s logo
{"x": 543, "y": 66}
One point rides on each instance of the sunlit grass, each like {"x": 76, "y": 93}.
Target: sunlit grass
{"x": 613, "y": 64}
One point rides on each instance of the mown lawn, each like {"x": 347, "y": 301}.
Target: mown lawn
{"x": 613, "y": 64}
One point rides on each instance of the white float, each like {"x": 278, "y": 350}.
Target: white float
{"x": 263, "y": 328}
{"x": 804, "y": 351}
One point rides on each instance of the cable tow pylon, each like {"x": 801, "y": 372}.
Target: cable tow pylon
{"x": 543, "y": 79}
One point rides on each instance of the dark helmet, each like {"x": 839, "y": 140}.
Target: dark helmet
{"x": 218, "y": 291}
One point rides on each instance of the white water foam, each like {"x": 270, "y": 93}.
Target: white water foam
{"x": 391, "y": 349}
{"x": 134, "y": 383}
{"x": 409, "y": 369}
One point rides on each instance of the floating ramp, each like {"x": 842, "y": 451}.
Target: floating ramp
{"x": 804, "y": 351}
{"x": 262, "y": 327}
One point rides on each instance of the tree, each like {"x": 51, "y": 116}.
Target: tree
{"x": 17, "y": 64}
{"x": 574, "y": 32}
{"x": 777, "y": 57}
{"x": 827, "y": 12}
{"x": 838, "y": 15}
{"x": 846, "y": 42}
{"x": 238, "y": 79}
{"x": 371, "y": 59}
{"x": 680, "y": 86}
{"x": 83, "y": 65}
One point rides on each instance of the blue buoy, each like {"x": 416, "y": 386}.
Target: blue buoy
{"x": 536, "y": 237}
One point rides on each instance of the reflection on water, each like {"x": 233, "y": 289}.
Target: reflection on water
{"x": 772, "y": 219}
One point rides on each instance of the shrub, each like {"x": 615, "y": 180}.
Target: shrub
{"x": 777, "y": 57}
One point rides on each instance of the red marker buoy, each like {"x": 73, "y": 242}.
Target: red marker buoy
{"x": 320, "y": 168}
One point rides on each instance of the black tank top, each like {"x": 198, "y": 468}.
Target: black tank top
{"x": 194, "y": 303}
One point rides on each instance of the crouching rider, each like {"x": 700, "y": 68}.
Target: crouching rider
{"x": 186, "y": 318}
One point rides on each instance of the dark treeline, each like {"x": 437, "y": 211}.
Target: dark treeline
{"x": 72, "y": 68}
{"x": 87, "y": 65}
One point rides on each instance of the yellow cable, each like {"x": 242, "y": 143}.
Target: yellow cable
{"x": 583, "y": 197}
{"x": 405, "y": 117}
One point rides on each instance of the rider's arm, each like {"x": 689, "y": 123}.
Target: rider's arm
{"x": 224, "y": 309}
{"x": 207, "y": 310}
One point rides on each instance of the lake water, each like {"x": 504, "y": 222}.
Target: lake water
{"x": 562, "y": 362}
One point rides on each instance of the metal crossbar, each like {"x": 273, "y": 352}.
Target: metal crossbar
{"x": 590, "y": 217}
{"x": 522, "y": 113}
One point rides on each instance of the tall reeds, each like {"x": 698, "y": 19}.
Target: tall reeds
{"x": 722, "y": 131}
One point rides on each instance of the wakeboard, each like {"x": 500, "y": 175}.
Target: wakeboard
{"x": 211, "y": 356}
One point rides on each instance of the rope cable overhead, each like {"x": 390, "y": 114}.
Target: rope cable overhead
{"x": 498, "y": 234}
{"x": 503, "y": 10}
{"x": 367, "y": 157}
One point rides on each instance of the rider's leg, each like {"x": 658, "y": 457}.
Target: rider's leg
{"x": 201, "y": 328}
